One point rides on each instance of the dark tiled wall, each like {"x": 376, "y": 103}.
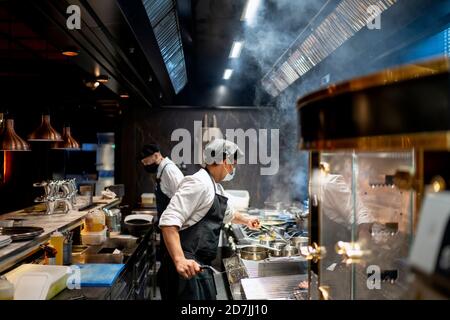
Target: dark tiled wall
{"x": 147, "y": 125}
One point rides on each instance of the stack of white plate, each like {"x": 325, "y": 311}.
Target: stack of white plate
{"x": 4, "y": 241}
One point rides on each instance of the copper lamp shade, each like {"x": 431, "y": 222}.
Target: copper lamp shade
{"x": 45, "y": 131}
{"x": 68, "y": 143}
{"x": 10, "y": 141}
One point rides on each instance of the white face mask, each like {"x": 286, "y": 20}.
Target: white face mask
{"x": 229, "y": 176}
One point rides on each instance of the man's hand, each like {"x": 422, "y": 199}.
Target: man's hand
{"x": 253, "y": 223}
{"x": 187, "y": 268}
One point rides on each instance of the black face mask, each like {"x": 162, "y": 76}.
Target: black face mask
{"x": 151, "y": 168}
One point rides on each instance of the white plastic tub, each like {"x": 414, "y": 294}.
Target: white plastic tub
{"x": 93, "y": 238}
{"x": 239, "y": 199}
{"x": 38, "y": 282}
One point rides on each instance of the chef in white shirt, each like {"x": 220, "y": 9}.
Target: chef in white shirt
{"x": 337, "y": 204}
{"x": 192, "y": 222}
{"x": 168, "y": 177}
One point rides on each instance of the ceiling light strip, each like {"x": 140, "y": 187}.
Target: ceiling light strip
{"x": 227, "y": 74}
{"x": 236, "y": 49}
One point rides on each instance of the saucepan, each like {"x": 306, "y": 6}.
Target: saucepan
{"x": 279, "y": 245}
{"x": 283, "y": 249}
{"x": 299, "y": 242}
{"x": 289, "y": 251}
{"x": 254, "y": 253}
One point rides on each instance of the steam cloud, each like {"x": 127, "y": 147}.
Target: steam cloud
{"x": 265, "y": 41}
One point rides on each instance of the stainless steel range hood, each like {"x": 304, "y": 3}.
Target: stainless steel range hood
{"x": 164, "y": 20}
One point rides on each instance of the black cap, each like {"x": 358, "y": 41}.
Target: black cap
{"x": 148, "y": 150}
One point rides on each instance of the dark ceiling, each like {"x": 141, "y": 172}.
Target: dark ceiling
{"x": 116, "y": 39}
{"x": 209, "y": 28}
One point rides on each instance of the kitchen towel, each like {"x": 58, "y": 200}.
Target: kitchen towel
{"x": 99, "y": 274}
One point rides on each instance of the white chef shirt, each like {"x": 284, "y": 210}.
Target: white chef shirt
{"x": 191, "y": 202}
{"x": 170, "y": 177}
{"x": 337, "y": 202}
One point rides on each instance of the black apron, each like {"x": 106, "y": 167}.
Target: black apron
{"x": 199, "y": 242}
{"x": 162, "y": 201}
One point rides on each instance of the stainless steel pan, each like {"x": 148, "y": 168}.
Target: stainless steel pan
{"x": 254, "y": 253}
{"x": 21, "y": 233}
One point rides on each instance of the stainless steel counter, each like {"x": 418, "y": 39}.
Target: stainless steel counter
{"x": 135, "y": 281}
{"x": 276, "y": 278}
{"x": 16, "y": 251}
{"x": 272, "y": 288}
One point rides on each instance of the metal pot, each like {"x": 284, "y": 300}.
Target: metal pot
{"x": 279, "y": 245}
{"x": 254, "y": 253}
{"x": 299, "y": 242}
{"x": 289, "y": 251}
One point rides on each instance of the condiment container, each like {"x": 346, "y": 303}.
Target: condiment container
{"x": 93, "y": 238}
{"x": 57, "y": 242}
{"x": 6, "y": 289}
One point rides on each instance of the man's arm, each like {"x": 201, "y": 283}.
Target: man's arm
{"x": 180, "y": 208}
{"x": 249, "y": 221}
{"x": 185, "y": 267}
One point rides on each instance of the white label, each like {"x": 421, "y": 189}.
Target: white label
{"x": 433, "y": 222}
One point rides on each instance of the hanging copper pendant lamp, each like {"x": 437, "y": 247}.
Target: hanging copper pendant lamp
{"x": 68, "y": 143}
{"x": 10, "y": 141}
{"x": 45, "y": 131}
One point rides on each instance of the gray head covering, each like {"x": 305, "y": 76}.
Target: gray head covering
{"x": 218, "y": 149}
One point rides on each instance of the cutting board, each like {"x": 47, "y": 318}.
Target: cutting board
{"x": 99, "y": 274}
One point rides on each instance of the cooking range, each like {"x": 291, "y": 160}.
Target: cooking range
{"x": 265, "y": 268}
{"x": 242, "y": 235}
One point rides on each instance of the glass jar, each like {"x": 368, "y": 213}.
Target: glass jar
{"x": 95, "y": 221}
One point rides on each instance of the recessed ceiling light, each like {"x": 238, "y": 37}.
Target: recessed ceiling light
{"x": 71, "y": 52}
{"x": 227, "y": 74}
{"x": 124, "y": 95}
{"x": 236, "y": 49}
{"x": 250, "y": 10}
